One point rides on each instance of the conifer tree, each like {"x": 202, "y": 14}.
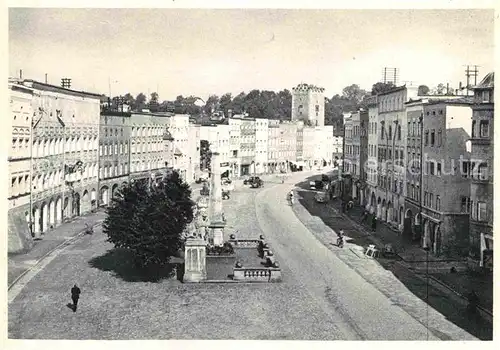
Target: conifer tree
{"x": 149, "y": 220}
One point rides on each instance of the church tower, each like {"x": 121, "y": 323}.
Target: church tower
{"x": 308, "y": 104}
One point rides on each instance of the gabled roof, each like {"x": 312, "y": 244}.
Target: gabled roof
{"x": 488, "y": 82}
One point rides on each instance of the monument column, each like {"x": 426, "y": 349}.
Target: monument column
{"x": 215, "y": 213}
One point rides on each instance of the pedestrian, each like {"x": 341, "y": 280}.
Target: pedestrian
{"x": 364, "y": 217}
{"x": 473, "y": 300}
{"x": 75, "y": 295}
{"x": 374, "y": 223}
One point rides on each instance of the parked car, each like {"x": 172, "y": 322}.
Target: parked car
{"x": 250, "y": 180}
{"x": 257, "y": 182}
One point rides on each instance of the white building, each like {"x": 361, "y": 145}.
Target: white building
{"x": 179, "y": 129}
{"x": 194, "y": 137}
{"x": 309, "y": 146}
{"x": 19, "y": 165}
{"x": 261, "y": 145}
{"x": 65, "y": 154}
{"x": 234, "y": 145}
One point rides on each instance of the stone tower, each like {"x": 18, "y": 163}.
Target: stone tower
{"x": 308, "y": 104}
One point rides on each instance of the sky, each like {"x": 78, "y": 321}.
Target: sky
{"x": 203, "y": 51}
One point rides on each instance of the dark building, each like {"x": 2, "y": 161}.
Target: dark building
{"x": 481, "y": 187}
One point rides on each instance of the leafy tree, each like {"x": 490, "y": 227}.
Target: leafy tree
{"x": 225, "y": 103}
{"x": 140, "y": 102}
{"x": 423, "y": 90}
{"x": 129, "y": 100}
{"x": 354, "y": 93}
{"x": 211, "y": 105}
{"x": 380, "y": 87}
{"x": 154, "y": 102}
{"x": 149, "y": 221}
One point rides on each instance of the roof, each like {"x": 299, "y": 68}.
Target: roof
{"x": 54, "y": 88}
{"x": 395, "y": 89}
{"x": 488, "y": 82}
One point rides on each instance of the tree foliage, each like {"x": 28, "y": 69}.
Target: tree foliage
{"x": 150, "y": 222}
{"x": 380, "y": 87}
{"x": 423, "y": 90}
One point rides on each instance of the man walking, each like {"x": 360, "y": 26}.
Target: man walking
{"x": 75, "y": 295}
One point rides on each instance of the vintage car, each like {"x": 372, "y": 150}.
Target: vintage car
{"x": 256, "y": 182}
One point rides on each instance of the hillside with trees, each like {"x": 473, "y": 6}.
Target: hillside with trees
{"x": 257, "y": 103}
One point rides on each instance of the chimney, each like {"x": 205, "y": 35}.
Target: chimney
{"x": 21, "y": 74}
{"x": 46, "y": 78}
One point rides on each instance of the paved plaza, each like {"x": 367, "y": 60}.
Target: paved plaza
{"x": 320, "y": 298}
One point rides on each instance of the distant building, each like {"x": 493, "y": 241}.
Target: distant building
{"x": 19, "y": 167}
{"x": 261, "y": 145}
{"x": 247, "y": 146}
{"x": 308, "y": 104}
{"x": 114, "y": 154}
{"x": 482, "y": 158}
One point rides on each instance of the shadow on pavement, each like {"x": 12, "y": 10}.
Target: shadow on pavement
{"x": 121, "y": 263}
{"x": 445, "y": 304}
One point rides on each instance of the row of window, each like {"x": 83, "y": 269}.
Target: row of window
{"x": 432, "y": 141}
{"x": 484, "y": 129}
{"x": 413, "y": 191}
{"x": 413, "y": 128}
{"x": 430, "y": 202}
{"x": 143, "y": 131}
{"x": 20, "y": 184}
{"x": 388, "y": 133}
{"x": 105, "y": 150}
{"x": 386, "y": 154}
{"x": 44, "y": 147}
{"x": 477, "y": 210}
{"x": 387, "y": 104}
{"x": 386, "y": 183}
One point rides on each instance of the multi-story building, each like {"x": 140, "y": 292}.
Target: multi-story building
{"x": 354, "y": 154}
{"x": 362, "y": 188}
{"x": 447, "y": 129}
{"x": 287, "y": 144}
{"x": 273, "y": 142}
{"x": 152, "y": 149}
{"x": 300, "y": 143}
{"x": 247, "y": 146}
{"x": 481, "y": 188}
{"x": 234, "y": 145}
{"x": 308, "y": 104}
{"x": 412, "y": 221}
{"x": 179, "y": 129}
{"x": 391, "y": 154}
{"x": 194, "y": 138}
{"x": 114, "y": 155}
{"x": 337, "y": 142}
{"x": 309, "y": 146}
{"x": 65, "y": 154}
{"x": 19, "y": 165}
{"x": 261, "y": 145}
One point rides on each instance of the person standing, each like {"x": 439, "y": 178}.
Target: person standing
{"x": 75, "y": 295}
{"x": 374, "y": 223}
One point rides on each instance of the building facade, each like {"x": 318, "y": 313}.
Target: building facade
{"x": 481, "y": 187}
{"x": 287, "y": 145}
{"x": 273, "y": 145}
{"x": 150, "y": 152}
{"x": 372, "y": 154}
{"x": 179, "y": 129}
{"x": 114, "y": 154}
{"x": 308, "y": 104}
{"x": 194, "y": 138}
{"x": 447, "y": 129}
{"x": 391, "y": 154}
{"x": 247, "y": 146}
{"x": 234, "y": 145}
{"x": 65, "y": 156}
{"x": 261, "y": 145}
{"x": 19, "y": 167}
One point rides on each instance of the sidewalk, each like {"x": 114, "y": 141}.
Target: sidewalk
{"x": 414, "y": 258}
{"x": 19, "y": 263}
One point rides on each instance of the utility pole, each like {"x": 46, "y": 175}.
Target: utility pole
{"x": 469, "y": 73}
